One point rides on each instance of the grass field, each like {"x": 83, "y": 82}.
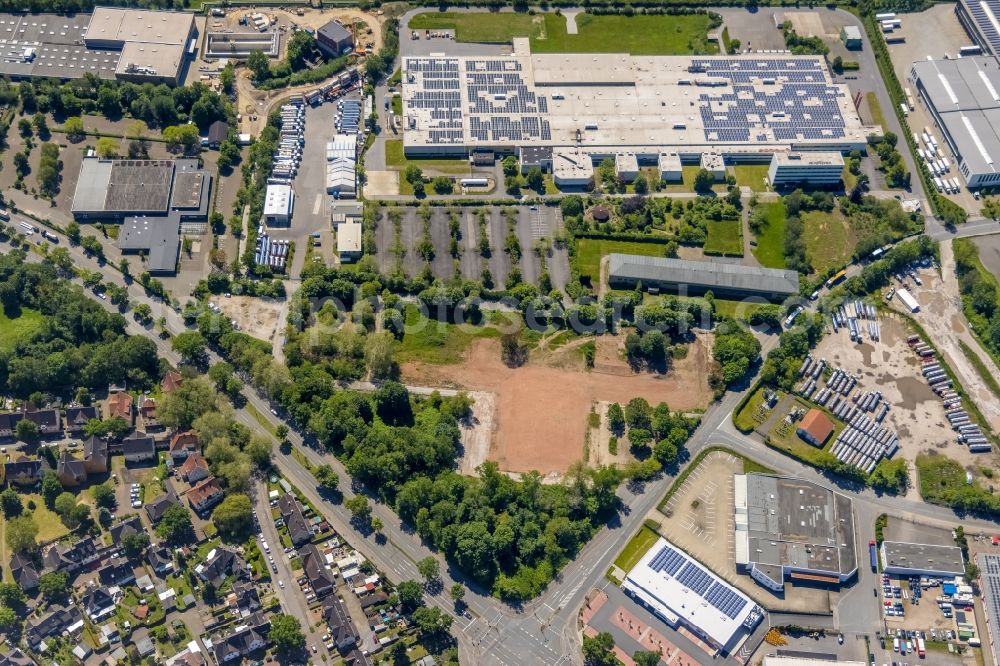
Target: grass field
{"x": 736, "y": 309}
{"x": 481, "y": 27}
{"x": 437, "y": 342}
{"x": 770, "y": 250}
{"x": 394, "y": 159}
{"x": 688, "y": 174}
{"x": 746, "y": 419}
{"x": 752, "y": 176}
{"x": 590, "y": 251}
{"x": 829, "y": 239}
{"x": 49, "y": 525}
{"x": 877, "y": 117}
{"x": 938, "y": 477}
{"x": 21, "y": 327}
{"x": 636, "y": 548}
{"x": 397, "y": 105}
{"x": 725, "y": 237}
{"x": 638, "y": 35}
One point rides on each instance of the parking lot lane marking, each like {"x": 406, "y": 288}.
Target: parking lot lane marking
{"x": 317, "y": 203}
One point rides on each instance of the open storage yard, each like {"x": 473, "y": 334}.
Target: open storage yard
{"x": 401, "y": 234}
{"x": 542, "y": 411}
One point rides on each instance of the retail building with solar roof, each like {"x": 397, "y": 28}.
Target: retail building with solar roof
{"x": 680, "y": 591}
{"x": 746, "y": 107}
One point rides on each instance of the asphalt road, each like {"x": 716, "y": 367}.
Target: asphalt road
{"x": 544, "y": 630}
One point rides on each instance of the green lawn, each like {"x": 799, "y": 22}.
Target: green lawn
{"x": 770, "y": 250}
{"x": 877, "y": 117}
{"x": 736, "y": 309}
{"x": 752, "y": 176}
{"x": 638, "y": 35}
{"x": 751, "y": 416}
{"x": 397, "y": 105}
{"x": 394, "y": 159}
{"x": 590, "y": 251}
{"x": 437, "y": 342}
{"x": 939, "y": 476}
{"x": 688, "y": 174}
{"x": 636, "y": 548}
{"x": 481, "y": 27}
{"x": 829, "y": 239}
{"x": 20, "y": 328}
{"x": 725, "y": 238}
{"x": 49, "y": 525}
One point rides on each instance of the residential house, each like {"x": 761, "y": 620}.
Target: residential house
{"x": 59, "y": 620}
{"x": 47, "y": 420}
{"x": 62, "y": 557}
{"x": 139, "y": 447}
{"x": 295, "y": 521}
{"x": 143, "y": 643}
{"x": 183, "y": 444}
{"x": 147, "y": 414}
{"x": 320, "y": 577}
{"x": 77, "y": 417}
{"x": 245, "y": 596}
{"x": 119, "y": 404}
{"x": 221, "y": 562}
{"x": 342, "y": 631}
{"x": 243, "y": 641}
{"x": 8, "y": 423}
{"x": 205, "y": 495}
{"x": 194, "y": 468}
{"x": 116, "y": 572}
{"x": 171, "y": 381}
{"x": 160, "y": 558}
{"x": 131, "y": 525}
{"x": 159, "y": 506}
{"x": 95, "y": 455}
{"x": 16, "y": 658}
{"x": 71, "y": 471}
{"x": 22, "y": 472}
{"x": 98, "y": 603}
{"x": 24, "y": 571}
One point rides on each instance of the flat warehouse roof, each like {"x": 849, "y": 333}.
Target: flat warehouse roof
{"x": 58, "y": 45}
{"x": 163, "y": 59}
{"x": 139, "y": 185}
{"x": 923, "y": 557}
{"x": 708, "y": 274}
{"x": 746, "y": 103}
{"x": 965, "y": 95}
{"x": 109, "y": 24}
{"x": 989, "y": 567}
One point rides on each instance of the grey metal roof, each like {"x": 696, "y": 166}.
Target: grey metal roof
{"x": 924, "y": 557}
{"x": 989, "y": 567}
{"x": 159, "y": 236}
{"x": 965, "y": 95}
{"x": 707, "y": 274}
{"x": 335, "y": 32}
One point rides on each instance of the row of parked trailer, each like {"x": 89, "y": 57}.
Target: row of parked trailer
{"x": 864, "y": 442}
{"x": 341, "y": 85}
{"x": 853, "y": 326}
{"x": 969, "y": 433}
{"x": 291, "y": 139}
{"x": 273, "y": 253}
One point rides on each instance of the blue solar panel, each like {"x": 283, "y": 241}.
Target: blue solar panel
{"x": 667, "y": 560}
{"x": 726, "y": 600}
{"x": 694, "y": 578}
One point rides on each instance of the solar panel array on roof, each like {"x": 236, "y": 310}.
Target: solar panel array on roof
{"x": 807, "y": 110}
{"x": 985, "y": 13}
{"x": 675, "y": 564}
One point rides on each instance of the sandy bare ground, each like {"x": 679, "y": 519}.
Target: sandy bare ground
{"x": 256, "y": 316}
{"x": 941, "y": 316}
{"x": 478, "y": 433}
{"x": 598, "y": 440}
{"x": 916, "y": 413}
{"x": 541, "y": 415}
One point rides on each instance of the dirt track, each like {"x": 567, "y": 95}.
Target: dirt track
{"x": 541, "y": 416}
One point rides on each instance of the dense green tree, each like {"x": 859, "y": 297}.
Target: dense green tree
{"x": 233, "y": 516}
{"x": 54, "y": 586}
{"x": 175, "y": 525}
{"x": 10, "y": 503}
{"x": 135, "y": 543}
{"x": 21, "y": 533}
{"x": 411, "y": 595}
{"x": 286, "y": 634}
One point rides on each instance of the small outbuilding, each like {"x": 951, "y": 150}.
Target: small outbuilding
{"x": 217, "y": 133}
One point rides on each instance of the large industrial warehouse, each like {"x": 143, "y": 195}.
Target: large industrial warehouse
{"x": 591, "y": 106}
{"x": 793, "y": 528}
{"x": 963, "y": 97}
{"x": 152, "y": 198}
{"x": 682, "y": 592}
{"x": 128, "y": 44}
{"x": 693, "y": 278}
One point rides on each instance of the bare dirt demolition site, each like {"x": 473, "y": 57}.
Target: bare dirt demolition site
{"x": 538, "y": 417}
